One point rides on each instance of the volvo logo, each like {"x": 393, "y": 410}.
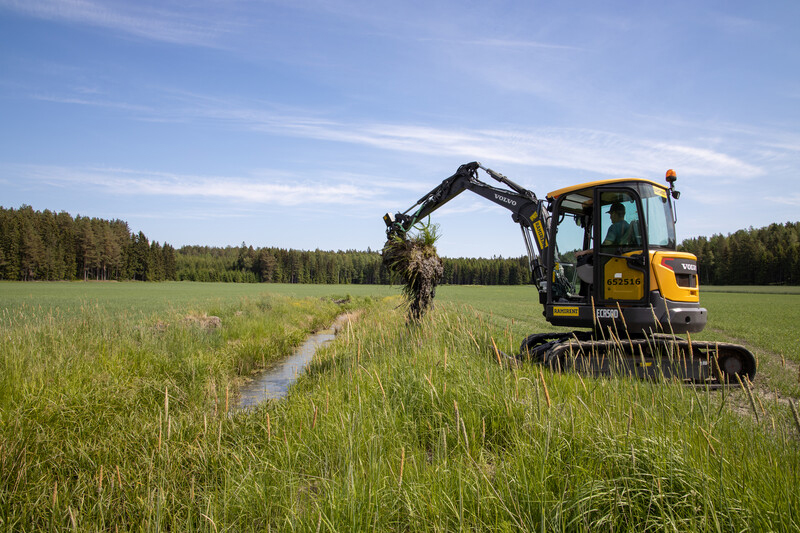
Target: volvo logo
{"x": 504, "y": 199}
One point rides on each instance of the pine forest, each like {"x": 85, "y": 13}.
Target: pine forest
{"x": 44, "y": 245}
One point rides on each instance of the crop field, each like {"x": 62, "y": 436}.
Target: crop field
{"x": 768, "y": 321}
{"x": 758, "y": 289}
{"x": 148, "y": 298}
{"x": 117, "y": 413}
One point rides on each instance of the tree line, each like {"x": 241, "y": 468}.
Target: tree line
{"x": 277, "y": 265}
{"x": 763, "y": 256}
{"x": 44, "y": 245}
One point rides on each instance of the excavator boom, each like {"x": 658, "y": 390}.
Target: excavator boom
{"x": 526, "y": 210}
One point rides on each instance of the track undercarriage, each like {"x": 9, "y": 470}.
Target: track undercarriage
{"x": 650, "y": 357}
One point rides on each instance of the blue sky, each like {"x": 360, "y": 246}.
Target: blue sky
{"x": 300, "y": 123}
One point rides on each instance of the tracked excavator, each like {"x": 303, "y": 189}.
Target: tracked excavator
{"x": 604, "y": 259}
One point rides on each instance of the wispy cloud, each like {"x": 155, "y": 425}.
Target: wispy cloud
{"x": 95, "y": 102}
{"x": 597, "y": 151}
{"x": 790, "y": 199}
{"x": 186, "y": 213}
{"x": 501, "y": 43}
{"x": 139, "y": 19}
{"x": 472, "y": 208}
{"x": 261, "y": 190}
{"x": 600, "y": 152}
{"x": 738, "y": 25}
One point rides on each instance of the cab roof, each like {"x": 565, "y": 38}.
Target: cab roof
{"x": 592, "y": 184}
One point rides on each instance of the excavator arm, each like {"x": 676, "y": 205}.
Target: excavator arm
{"x": 526, "y": 210}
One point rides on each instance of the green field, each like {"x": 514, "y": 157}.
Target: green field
{"x": 115, "y": 414}
{"x": 150, "y": 298}
{"x": 760, "y": 289}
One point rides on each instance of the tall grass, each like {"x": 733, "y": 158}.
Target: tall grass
{"x": 107, "y": 418}
{"x": 394, "y": 426}
{"x": 485, "y": 446}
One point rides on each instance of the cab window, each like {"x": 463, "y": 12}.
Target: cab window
{"x": 619, "y": 220}
{"x": 573, "y": 245}
{"x": 658, "y": 217}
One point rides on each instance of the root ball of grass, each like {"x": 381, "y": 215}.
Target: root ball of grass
{"x": 419, "y": 267}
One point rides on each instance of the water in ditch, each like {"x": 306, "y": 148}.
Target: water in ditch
{"x": 274, "y": 381}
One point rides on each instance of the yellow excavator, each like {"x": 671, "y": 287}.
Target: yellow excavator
{"x": 604, "y": 258}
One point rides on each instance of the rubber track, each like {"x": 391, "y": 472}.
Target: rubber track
{"x": 657, "y": 357}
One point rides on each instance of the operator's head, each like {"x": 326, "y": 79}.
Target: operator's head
{"x": 617, "y": 211}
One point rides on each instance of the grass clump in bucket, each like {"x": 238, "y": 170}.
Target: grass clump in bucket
{"x": 414, "y": 259}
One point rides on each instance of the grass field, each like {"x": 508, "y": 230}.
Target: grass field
{"x": 114, "y": 415}
{"x": 759, "y": 289}
{"x": 148, "y": 298}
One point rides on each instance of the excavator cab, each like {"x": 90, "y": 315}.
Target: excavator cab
{"x": 615, "y": 260}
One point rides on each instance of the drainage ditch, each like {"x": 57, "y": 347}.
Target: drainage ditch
{"x": 274, "y": 381}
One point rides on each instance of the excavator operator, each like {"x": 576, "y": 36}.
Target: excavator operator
{"x": 619, "y": 231}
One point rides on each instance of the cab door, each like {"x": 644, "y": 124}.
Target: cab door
{"x": 621, "y": 259}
